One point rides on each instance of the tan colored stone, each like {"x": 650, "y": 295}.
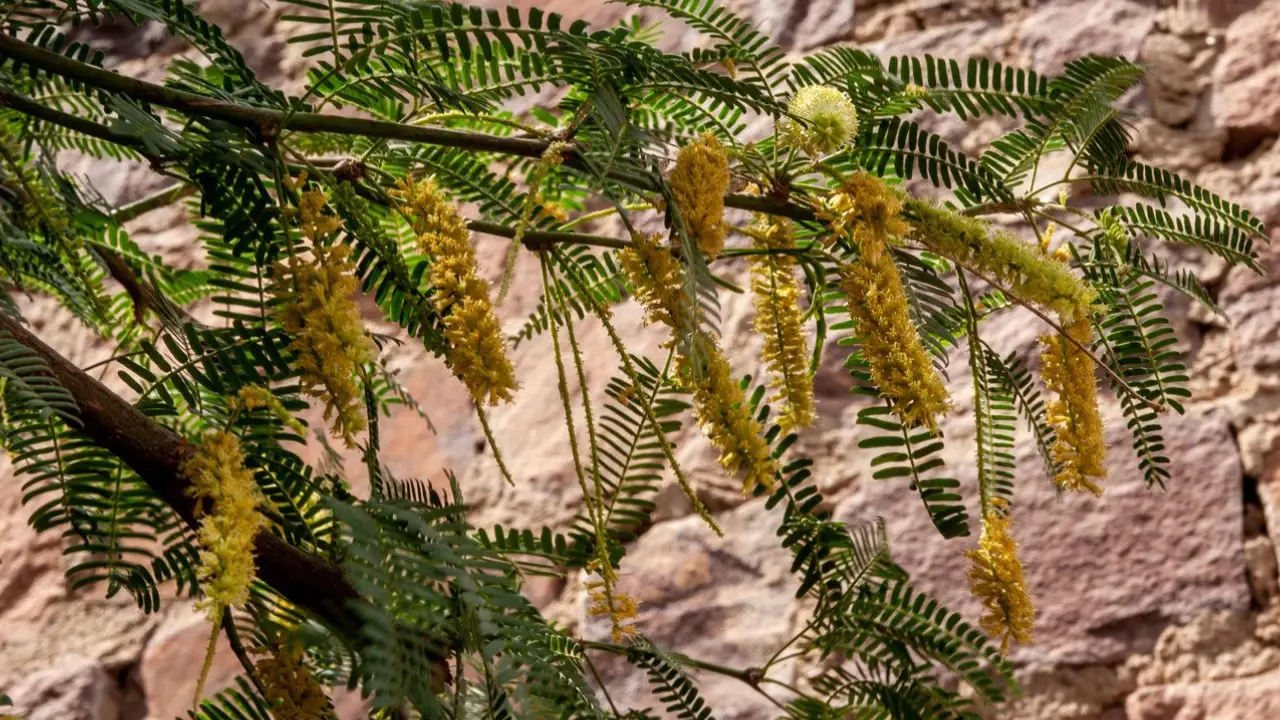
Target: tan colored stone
{"x": 727, "y": 598}
{"x": 1101, "y": 584}
{"x": 1253, "y": 698}
{"x": 1261, "y": 566}
{"x": 1055, "y": 33}
{"x": 111, "y": 633}
{"x": 1178, "y": 75}
{"x": 76, "y": 688}
{"x": 1213, "y": 646}
{"x": 1179, "y": 150}
{"x": 169, "y": 669}
{"x": 1065, "y": 693}
{"x": 1246, "y": 75}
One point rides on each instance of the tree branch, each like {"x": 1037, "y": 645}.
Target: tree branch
{"x": 269, "y": 122}
{"x": 27, "y": 106}
{"x": 157, "y": 453}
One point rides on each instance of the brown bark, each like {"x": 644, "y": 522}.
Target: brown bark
{"x": 156, "y": 453}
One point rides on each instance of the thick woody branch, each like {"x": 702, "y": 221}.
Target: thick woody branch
{"x": 157, "y": 454}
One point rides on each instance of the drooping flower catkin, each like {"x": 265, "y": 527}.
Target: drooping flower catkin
{"x": 656, "y": 279}
{"x": 899, "y": 365}
{"x": 252, "y": 397}
{"x": 227, "y": 507}
{"x": 995, "y": 578}
{"x": 721, "y": 409}
{"x": 699, "y": 182}
{"x": 318, "y": 309}
{"x": 830, "y": 118}
{"x": 863, "y": 206}
{"x": 477, "y": 352}
{"x": 288, "y": 683}
{"x": 719, "y": 405}
{"x": 1079, "y": 449}
{"x": 227, "y": 501}
{"x": 775, "y": 292}
{"x": 1025, "y": 270}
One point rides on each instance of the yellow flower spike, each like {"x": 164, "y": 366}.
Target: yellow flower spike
{"x": 1079, "y": 448}
{"x": 1046, "y": 238}
{"x": 699, "y": 182}
{"x": 775, "y": 291}
{"x": 1022, "y": 268}
{"x": 316, "y": 225}
{"x": 229, "y": 519}
{"x": 831, "y": 119}
{"x": 719, "y": 404}
{"x": 914, "y": 91}
{"x": 477, "y": 352}
{"x": 899, "y": 365}
{"x": 655, "y": 274}
{"x": 865, "y": 209}
{"x": 720, "y": 407}
{"x": 329, "y": 337}
{"x": 227, "y": 507}
{"x": 996, "y": 579}
{"x": 288, "y": 684}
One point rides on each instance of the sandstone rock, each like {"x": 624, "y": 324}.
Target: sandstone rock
{"x": 959, "y": 40}
{"x": 1255, "y": 324}
{"x": 77, "y": 688}
{"x": 30, "y": 572}
{"x": 730, "y": 598}
{"x": 1101, "y": 585}
{"x": 1223, "y": 12}
{"x": 41, "y": 622}
{"x": 170, "y": 666}
{"x": 1055, "y": 33}
{"x": 111, "y": 633}
{"x": 1065, "y": 693}
{"x": 813, "y": 24}
{"x": 1178, "y": 75}
{"x": 1246, "y": 75}
{"x": 1180, "y": 150}
{"x": 1260, "y": 564}
{"x": 1213, "y": 646}
{"x": 1250, "y": 698}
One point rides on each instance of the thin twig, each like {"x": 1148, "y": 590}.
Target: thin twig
{"x": 749, "y": 676}
{"x": 536, "y": 238}
{"x": 237, "y": 647}
{"x": 600, "y": 681}
{"x": 155, "y": 201}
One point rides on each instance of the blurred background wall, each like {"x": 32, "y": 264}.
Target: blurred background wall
{"x": 1154, "y": 605}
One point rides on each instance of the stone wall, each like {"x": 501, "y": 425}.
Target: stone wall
{"x": 1153, "y": 605}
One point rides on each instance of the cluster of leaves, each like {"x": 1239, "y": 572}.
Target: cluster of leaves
{"x": 439, "y": 597}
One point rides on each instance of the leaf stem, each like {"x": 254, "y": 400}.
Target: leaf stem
{"x": 750, "y": 676}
